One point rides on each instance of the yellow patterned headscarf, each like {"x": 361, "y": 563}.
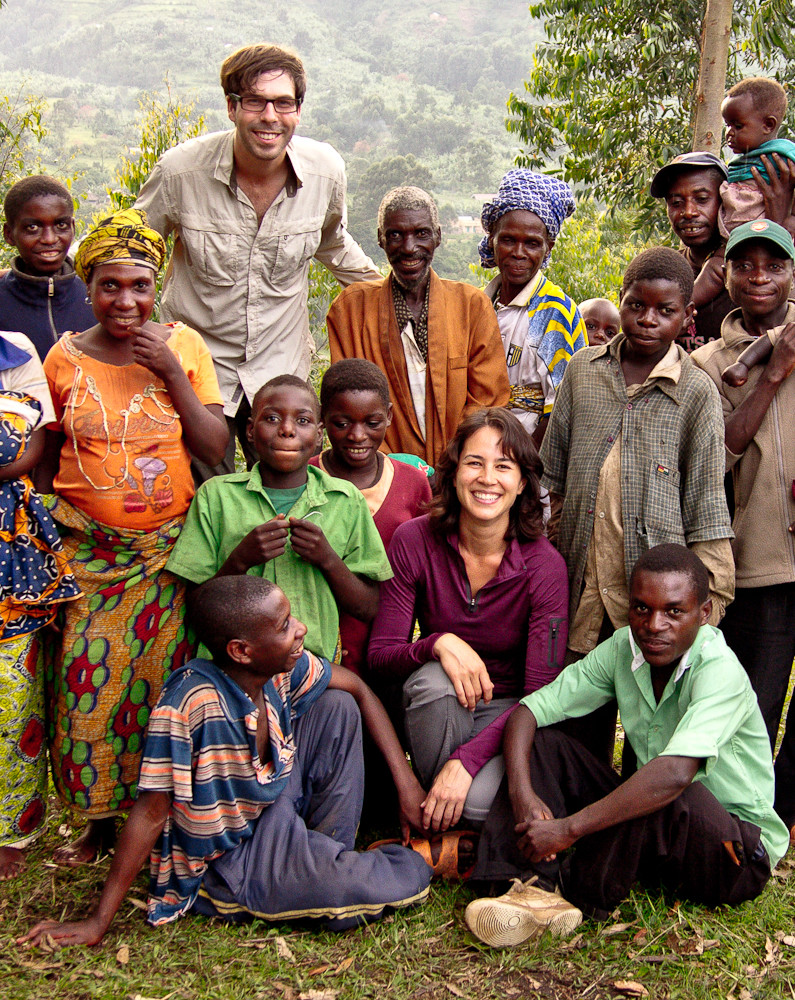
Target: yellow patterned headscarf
{"x": 123, "y": 238}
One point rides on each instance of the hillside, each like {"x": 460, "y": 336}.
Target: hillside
{"x": 384, "y": 82}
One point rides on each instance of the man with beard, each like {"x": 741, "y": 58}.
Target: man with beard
{"x": 437, "y": 341}
{"x": 249, "y": 208}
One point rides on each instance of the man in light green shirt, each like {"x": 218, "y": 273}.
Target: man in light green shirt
{"x": 696, "y": 817}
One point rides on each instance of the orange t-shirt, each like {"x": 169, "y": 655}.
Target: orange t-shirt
{"x": 123, "y": 461}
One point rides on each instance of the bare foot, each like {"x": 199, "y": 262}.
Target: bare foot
{"x": 98, "y": 836}
{"x": 12, "y": 861}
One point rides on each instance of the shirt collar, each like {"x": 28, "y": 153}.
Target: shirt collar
{"x": 734, "y": 333}
{"x": 315, "y": 493}
{"x": 638, "y": 660}
{"x": 520, "y": 300}
{"x": 225, "y": 164}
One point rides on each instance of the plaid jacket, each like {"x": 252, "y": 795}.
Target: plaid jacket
{"x": 672, "y": 457}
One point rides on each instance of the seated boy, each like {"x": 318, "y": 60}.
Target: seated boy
{"x": 601, "y": 319}
{"x": 696, "y": 817}
{"x": 633, "y": 457}
{"x": 41, "y": 296}
{"x": 296, "y": 526}
{"x": 251, "y": 783}
{"x": 753, "y": 111}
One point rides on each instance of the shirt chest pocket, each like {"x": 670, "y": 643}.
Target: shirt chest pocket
{"x": 215, "y": 257}
{"x": 293, "y": 250}
{"x": 662, "y": 509}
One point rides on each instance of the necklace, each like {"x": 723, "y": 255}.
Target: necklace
{"x": 78, "y": 396}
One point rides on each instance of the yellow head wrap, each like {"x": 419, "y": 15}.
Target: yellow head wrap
{"x": 123, "y": 238}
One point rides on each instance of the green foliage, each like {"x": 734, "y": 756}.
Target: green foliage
{"x": 163, "y": 121}
{"x": 611, "y": 91}
{"x": 592, "y": 253}
{"x": 21, "y": 129}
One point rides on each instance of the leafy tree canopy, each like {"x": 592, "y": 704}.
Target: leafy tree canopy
{"x": 611, "y": 91}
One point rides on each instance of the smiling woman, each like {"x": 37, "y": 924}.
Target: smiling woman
{"x": 489, "y": 593}
{"x": 133, "y": 400}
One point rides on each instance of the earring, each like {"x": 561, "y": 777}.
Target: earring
{"x": 88, "y": 299}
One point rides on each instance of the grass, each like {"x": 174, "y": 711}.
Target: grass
{"x": 669, "y": 949}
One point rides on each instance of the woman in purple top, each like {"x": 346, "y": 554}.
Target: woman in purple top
{"x": 489, "y": 593}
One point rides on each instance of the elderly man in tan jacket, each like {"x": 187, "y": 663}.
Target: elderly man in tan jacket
{"x": 437, "y": 341}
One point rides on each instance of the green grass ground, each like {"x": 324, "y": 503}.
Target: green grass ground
{"x": 654, "y": 946}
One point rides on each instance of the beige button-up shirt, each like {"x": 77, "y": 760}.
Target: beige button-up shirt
{"x": 240, "y": 283}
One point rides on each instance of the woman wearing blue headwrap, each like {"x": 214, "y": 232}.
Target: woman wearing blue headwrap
{"x": 539, "y": 324}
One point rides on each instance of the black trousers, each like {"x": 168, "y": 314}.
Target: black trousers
{"x": 760, "y": 628}
{"x": 682, "y": 847}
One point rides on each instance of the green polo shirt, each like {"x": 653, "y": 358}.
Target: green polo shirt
{"x": 226, "y": 508}
{"x": 708, "y": 710}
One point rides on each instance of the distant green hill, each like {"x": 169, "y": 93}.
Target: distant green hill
{"x": 385, "y": 81}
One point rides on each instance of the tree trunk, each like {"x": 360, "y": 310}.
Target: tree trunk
{"x": 715, "y": 33}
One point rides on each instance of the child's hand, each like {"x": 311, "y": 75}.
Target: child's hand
{"x": 265, "y": 542}
{"x": 150, "y": 350}
{"x": 735, "y": 375}
{"x": 309, "y": 542}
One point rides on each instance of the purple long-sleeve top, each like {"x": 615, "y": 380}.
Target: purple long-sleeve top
{"x": 517, "y": 622}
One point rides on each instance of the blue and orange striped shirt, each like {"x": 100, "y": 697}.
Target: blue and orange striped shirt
{"x": 201, "y": 748}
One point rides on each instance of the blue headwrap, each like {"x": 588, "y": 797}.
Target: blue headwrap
{"x": 549, "y": 198}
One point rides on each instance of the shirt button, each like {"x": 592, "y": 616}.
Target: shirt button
{"x": 601, "y": 513}
{"x": 629, "y": 406}
{"x": 610, "y": 440}
{"x": 604, "y": 590}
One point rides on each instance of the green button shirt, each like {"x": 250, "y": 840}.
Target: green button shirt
{"x": 708, "y": 710}
{"x": 226, "y": 508}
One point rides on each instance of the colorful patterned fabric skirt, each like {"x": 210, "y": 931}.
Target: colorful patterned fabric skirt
{"x": 23, "y": 771}
{"x": 118, "y": 645}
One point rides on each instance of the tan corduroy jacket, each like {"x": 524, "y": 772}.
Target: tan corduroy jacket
{"x": 764, "y": 549}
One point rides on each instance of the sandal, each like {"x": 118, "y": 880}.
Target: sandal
{"x": 448, "y": 853}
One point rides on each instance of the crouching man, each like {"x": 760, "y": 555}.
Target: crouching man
{"x": 251, "y": 783}
{"x": 696, "y": 817}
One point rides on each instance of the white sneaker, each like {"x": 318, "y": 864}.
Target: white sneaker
{"x": 523, "y": 912}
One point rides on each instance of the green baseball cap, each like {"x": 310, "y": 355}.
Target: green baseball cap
{"x": 761, "y": 229}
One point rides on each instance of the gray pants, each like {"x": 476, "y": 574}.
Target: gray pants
{"x": 437, "y": 724}
{"x": 300, "y": 863}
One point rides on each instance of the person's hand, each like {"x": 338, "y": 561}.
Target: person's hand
{"x": 465, "y": 669}
{"x": 782, "y": 360}
{"x": 265, "y": 542}
{"x": 777, "y": 193}
{"x": 410, "y": 801}
{"x": 89, "y": 931}
{"x": 150, "y": 350}
{"x": 444, "y": 803}
{"x": 309, "y": 542}
{"x": 542, "y": 839}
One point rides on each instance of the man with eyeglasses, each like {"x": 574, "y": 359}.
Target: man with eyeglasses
{"x": 249, "y": 208}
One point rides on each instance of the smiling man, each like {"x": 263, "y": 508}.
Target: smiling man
{"x": 760, "y": 451}
{"x": 696, "y": 817}
{"x": 437, "y": 341}
{"x": 249, "y": 208}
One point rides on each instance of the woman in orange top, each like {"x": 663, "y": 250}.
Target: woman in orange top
{"x": 134, "y": 400}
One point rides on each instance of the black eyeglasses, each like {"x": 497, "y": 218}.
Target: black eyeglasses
{"x": 256, "y": 105}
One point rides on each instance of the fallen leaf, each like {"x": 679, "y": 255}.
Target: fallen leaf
{"x": 788, "y": 940}
{"x": 259, "y": 945}
{"x": 631, "y": 988}
{"x": 640, "y": 936}
{"x": 42, "y": 966}
{"x": 283, "y": 950}
{"x": 318, "y": 995}
{"x": 123, "y": 955}
{"x": 318, "y": 969}
{"x": 454, "y": 990}
{"x": 745, "y": 994}
{"x": 616, "y": 929}
{"x": 138, "y": 996}
{"x": 346, "y": 963}
{"x": 771, "y": 952}
{"x": 64, "y": 830}
{"x": 571, "y": 943}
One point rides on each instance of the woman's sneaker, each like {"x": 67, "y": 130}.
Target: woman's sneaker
{"x": 523, "y": 912}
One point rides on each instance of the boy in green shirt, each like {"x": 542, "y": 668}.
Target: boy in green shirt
{"x": 697, "y": 816}
{"x": 310, "y": 534}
